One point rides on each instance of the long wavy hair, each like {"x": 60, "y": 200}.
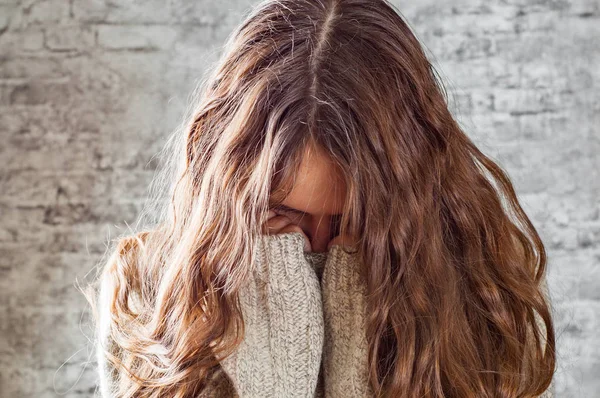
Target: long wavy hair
{"x": 455, "y": 269}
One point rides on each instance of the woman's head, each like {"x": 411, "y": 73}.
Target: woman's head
{"x": 316, "y": 200}
{"x": 331, "y": 107}
{"x": 346, "y": 79}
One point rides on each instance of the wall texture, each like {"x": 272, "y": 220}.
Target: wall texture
{"x": 89, "y": 89}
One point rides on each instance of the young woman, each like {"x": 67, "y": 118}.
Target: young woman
{"x": 331, "y": 231}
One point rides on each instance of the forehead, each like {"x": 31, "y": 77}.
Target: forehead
{"x": 319, "y": 188}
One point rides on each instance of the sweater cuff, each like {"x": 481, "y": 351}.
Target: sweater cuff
{"x": 342, "y": 270}
{"x": 287, "y": 248}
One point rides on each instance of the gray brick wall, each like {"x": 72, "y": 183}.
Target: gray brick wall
{"x": 89, "y": 89}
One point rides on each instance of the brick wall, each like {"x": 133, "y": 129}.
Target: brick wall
{"x": 89, "y": 89}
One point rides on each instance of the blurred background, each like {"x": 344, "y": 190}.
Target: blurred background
{"x": 90, "y": 90}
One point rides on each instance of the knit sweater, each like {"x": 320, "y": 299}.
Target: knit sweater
{"x": 304, "y": 316}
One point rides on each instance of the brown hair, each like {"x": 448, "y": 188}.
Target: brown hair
{"x": 455, "y": 268}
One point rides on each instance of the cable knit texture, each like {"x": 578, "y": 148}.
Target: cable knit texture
{"x": 344, "y": 307}
{"x": 280, "y": 355}
{"x": 305, "y": 335}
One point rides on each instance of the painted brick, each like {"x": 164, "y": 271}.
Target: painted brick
{"x": 89, "y": 89}
{"x": 117, "y": 37}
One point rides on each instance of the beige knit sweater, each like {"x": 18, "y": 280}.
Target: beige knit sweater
{"x": 305, "y": 328}
{"x": 305, "y": 315}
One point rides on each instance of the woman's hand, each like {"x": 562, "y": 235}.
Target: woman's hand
{"x": 280, "y": 224}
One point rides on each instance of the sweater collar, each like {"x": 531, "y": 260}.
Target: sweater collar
{"x": 317, "y": 261}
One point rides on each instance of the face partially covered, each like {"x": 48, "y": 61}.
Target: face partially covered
{"x": 317, "y": 198}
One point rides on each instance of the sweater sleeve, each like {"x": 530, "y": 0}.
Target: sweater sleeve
{"x": 345, "y": 359}
{"x": 280, "y": 355}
